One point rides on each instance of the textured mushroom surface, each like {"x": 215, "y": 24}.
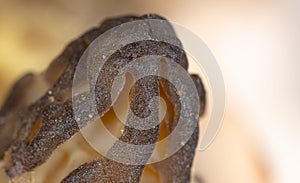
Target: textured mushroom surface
{"x": 37, "y": 120}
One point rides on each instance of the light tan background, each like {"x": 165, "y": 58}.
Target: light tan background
{"x": 255, "y": 43}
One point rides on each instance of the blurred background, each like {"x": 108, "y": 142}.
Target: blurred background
{"x": 256, "y": 44}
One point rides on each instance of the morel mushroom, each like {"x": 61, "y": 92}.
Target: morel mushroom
{"x": 39, "y": 133}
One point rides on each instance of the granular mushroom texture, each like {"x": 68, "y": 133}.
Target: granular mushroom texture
{"x": 32, "y": 127}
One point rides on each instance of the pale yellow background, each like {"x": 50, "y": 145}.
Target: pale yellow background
{"x": 255, "y": 42}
